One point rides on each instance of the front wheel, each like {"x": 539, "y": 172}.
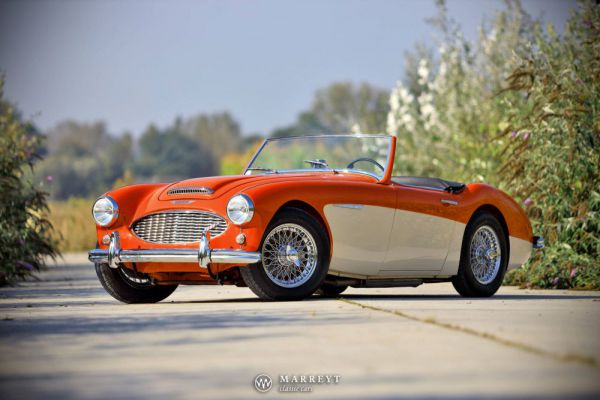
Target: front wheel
{"x": 295, "y": 258}
{"x": 130, "y": 286}
{"x": 483, "y": 259}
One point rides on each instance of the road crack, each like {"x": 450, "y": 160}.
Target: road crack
{"x": 564, "y": 357}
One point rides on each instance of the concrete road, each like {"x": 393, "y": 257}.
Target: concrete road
{"x": 63, "y": 337}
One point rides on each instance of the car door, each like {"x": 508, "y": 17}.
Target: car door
{"x": 360, "y": 227}
{"x": 420, "y": 236}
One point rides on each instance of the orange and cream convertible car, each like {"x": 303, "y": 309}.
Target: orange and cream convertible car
{"x": 313, "y": 213}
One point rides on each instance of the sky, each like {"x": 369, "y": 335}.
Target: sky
{"x": 132, "y": 62}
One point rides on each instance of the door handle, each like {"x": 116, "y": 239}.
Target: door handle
{"x": 449, "y": 202}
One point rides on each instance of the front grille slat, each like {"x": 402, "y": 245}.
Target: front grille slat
{"x": 177, "y": 226}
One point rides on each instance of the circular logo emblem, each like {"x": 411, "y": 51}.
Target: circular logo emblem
{"x": 263, "y": 383}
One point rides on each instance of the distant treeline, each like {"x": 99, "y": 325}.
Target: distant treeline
{"x": 85, "y": 159}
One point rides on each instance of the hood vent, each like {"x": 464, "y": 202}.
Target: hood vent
{"x": 190, "y": 190}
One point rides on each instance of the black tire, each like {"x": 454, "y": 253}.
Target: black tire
{"x": 256, "y": 277}
{"x": 125, "y": 290}
{"x": 327, "y": 290}
{"x": 465, "y": 282}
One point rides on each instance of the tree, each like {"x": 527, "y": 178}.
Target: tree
{"x": 342, "y": 108}
{"x": 170, "y": 154}
{"x": 84, "y": 159}
{"x": 218, "y": 133}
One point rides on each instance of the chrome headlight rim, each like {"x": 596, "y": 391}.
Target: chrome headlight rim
{"x": 115, "y": 211}
{"x": 249, "y": 213}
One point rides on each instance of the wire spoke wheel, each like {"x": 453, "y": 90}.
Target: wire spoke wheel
{"x": 289, "y": 255}
{"x": 485, "y": 255}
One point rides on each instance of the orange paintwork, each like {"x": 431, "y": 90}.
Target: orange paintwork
{"x": 270, "y": 192}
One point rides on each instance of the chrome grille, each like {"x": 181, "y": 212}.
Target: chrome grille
{"x": 177, "y": 226}
{"x": 190, "y": 190}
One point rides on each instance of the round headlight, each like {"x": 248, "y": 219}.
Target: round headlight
{"x": 105, "y": 211}
{"x": 240, "y": 209}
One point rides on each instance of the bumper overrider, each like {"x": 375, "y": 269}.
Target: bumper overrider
{"x": 203, "y": 256}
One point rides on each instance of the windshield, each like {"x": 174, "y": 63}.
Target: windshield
{"x": 366, "y": 154}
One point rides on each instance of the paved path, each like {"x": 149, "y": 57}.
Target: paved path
{"x": 63, "y": 337}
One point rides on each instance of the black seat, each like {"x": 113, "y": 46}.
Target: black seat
{"x": 429, "y": 183}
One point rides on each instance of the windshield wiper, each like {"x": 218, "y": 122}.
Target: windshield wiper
{"x": 262, "y": 169}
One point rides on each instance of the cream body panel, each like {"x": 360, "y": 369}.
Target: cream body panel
{"x": 360, "y": 236}
{"x": 450, "y": 267}
{"x": 520, "y": 250}
{"x": 418, "y": 244}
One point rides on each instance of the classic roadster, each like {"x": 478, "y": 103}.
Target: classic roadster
{"x": 309, "y": 214}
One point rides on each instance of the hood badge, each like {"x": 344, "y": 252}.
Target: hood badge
{"x": 182, "y": 201}
{"x": 190, "y": 190}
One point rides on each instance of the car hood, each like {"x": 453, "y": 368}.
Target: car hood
{"x": 217, "y": 186}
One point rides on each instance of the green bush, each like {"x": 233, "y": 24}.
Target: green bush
{"x": 25, "y": 234}
{"x": 553, "y": 158}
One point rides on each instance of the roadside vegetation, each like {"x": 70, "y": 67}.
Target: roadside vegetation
{"x": 26, "y": 236}
{"x": 517, "y": 107}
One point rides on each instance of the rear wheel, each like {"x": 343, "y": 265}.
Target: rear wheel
{"x": 483, "y": 259}
{"x": 130, "y": 286}
{"x": 295, "y": 258}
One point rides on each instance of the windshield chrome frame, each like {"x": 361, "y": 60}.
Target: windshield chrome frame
{"x": 344, "y": 170}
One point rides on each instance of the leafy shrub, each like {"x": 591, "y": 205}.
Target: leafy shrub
{"x": 25, "y": 234}
{"x": 553, "y": 159}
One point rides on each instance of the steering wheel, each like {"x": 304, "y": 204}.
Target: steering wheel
{"x": 367, "y": 159}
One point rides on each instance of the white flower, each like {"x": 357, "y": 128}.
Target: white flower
{"x": 423, "y": 72}
{"x": 394, "y": 101}
{"x": 427, "y": 110}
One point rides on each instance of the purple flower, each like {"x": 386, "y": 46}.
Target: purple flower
{"x": 528, "y": 201}
{"x": 526, "y": 136}
{"x": 25, "y": 265}
{"x": 573, "y": 273}
{"x": 555, "y": 281}
{"x": 514, "y": 134}
{"x": 49, "y": 178}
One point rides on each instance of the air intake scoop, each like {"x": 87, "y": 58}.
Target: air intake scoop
{"x": 183, "y": 190}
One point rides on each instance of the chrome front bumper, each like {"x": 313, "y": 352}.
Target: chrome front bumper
{"x": 203, "y": 256}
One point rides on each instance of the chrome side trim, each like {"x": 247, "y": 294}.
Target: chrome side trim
{"x": 450, "y": 202}
{"x": 204, "y": 256}
{"x": 351, "y": 206}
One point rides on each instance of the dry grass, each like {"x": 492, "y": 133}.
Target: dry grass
{"x": 73, "y": 223}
